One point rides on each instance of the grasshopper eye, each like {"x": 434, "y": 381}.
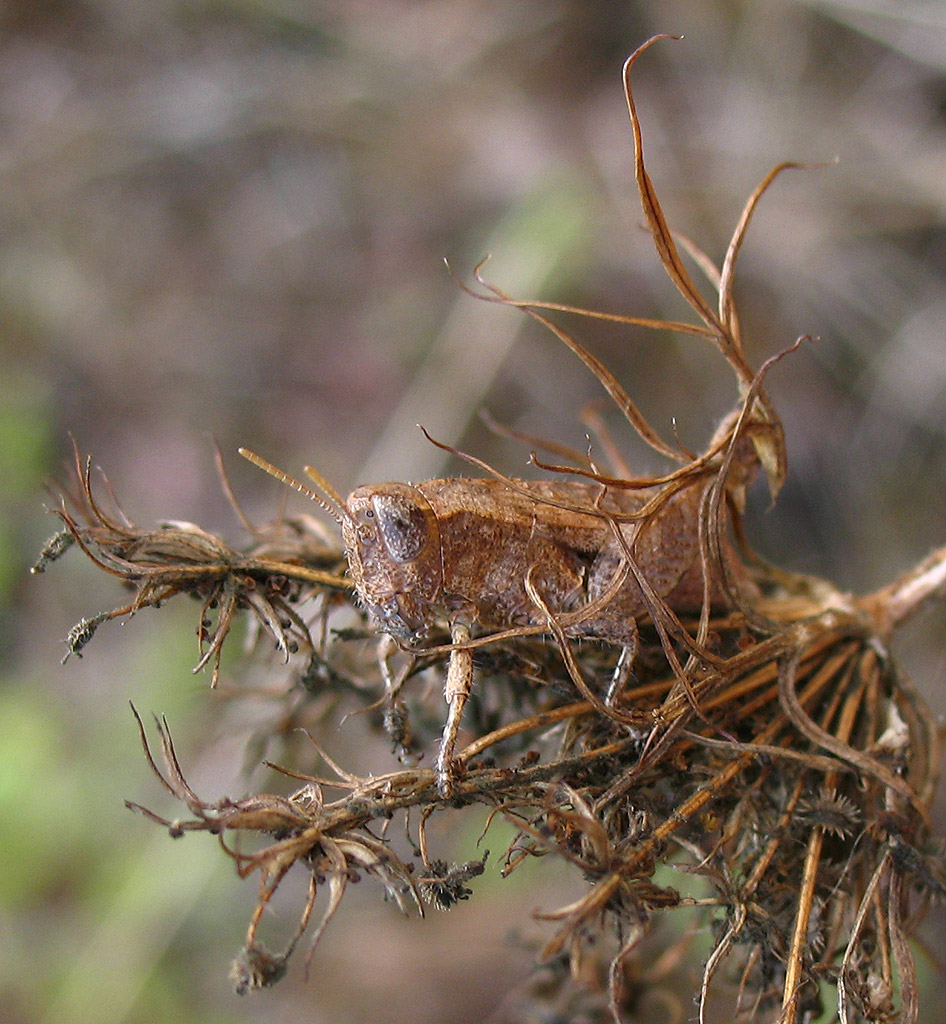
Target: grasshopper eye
{"x": 402, "y": 525}
{"x": 364, "y": 524}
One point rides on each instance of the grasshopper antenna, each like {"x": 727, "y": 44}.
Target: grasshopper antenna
{"x": 330, "y": 500}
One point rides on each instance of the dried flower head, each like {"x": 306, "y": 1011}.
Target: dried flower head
{"x": 751, "y": 734}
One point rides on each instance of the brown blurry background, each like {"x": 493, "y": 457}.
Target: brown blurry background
{"x": 228, "y": 220}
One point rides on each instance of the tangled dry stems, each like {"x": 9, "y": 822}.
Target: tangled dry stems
{"x": 765, "y": 744}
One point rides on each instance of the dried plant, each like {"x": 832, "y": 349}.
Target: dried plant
{"x": 751, "y": 734}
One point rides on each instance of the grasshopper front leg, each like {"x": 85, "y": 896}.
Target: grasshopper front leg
{"x": 456, "y": 693}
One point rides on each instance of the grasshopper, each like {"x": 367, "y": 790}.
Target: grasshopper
{"x": 501, "y": 554}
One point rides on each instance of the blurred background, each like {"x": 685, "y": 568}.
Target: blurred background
{"x": 227, "y": 220}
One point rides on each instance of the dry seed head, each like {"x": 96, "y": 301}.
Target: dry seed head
{"x": 758, "y": 730}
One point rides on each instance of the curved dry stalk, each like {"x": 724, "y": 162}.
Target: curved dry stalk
{"x": 660, "y": 232}
{"x": 496, "y": 295}
{"x": 727, "y": 306}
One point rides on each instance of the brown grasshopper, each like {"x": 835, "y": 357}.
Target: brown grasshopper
{"x": 580, "y": 558}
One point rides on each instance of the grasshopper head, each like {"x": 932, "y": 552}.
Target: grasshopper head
{"x": 393, "y": 548}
